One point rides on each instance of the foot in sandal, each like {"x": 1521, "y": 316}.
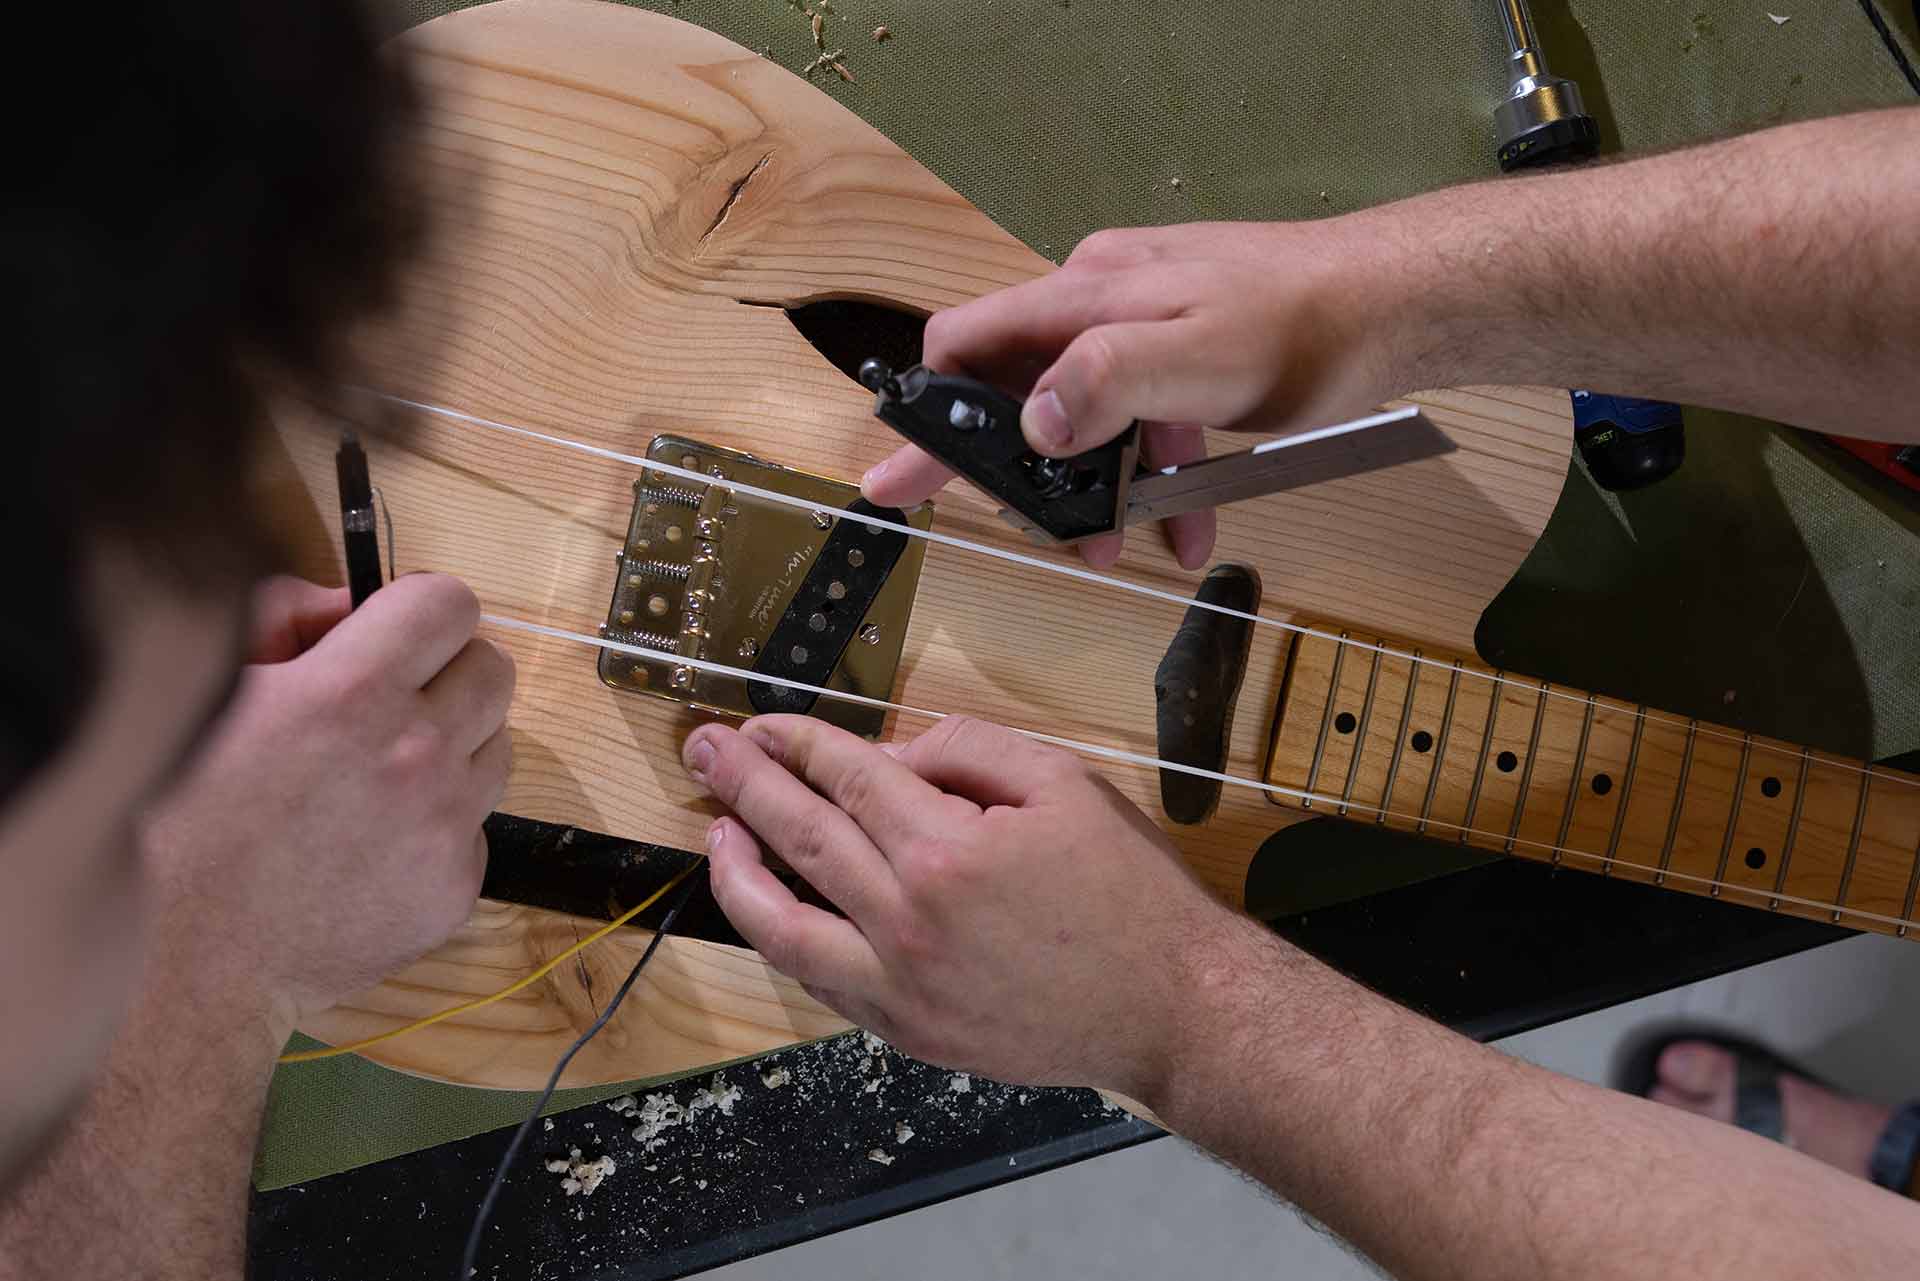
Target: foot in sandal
{"x": 1747, "y": 1085}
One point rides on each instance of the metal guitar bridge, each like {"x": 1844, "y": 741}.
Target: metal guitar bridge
{"x": 817, "y": 596}
{"x": 974, "y": 428}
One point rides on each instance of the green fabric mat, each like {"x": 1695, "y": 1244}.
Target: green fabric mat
{"x": 1058, "y": 117}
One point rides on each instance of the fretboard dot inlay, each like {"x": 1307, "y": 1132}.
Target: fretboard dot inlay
{"x": 1444, "y": 748}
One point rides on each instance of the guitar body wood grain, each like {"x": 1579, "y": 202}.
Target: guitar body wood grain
{"x": 629, "y": 202}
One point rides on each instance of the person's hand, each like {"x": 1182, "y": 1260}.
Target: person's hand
{"x": 1251, "y": 326}
{"x": 330, "y": 833}
{"x": 1006, "y": 909}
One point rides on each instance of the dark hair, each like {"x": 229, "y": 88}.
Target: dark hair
{"x": 201, "y": 195}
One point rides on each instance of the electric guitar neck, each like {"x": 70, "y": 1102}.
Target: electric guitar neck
{"x": 1375, "y": 730}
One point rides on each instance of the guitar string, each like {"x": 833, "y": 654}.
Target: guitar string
{"x": 1531, "y": 688}
{"x": 1139, "y": 758}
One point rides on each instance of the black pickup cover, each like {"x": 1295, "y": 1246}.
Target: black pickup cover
{"x": 856, "y": 556}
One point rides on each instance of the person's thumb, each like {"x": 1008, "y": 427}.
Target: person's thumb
{"x": 1113, "y": 375}
{"x": 290, "y": 615}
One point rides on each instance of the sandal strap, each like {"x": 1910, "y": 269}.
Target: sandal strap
{"x": 1756, "y": 1098}
{"x": 1898, "y": 1151}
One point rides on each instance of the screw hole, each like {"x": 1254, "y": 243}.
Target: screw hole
{"x": 1421, "y": 741}
{"x": 1344, "y": 722}
{"x": 1756, "y": 858}
{"x": 1769, "y": 787}
{"x": 1506, "y": 762}
{"x": 1602, "y": 784}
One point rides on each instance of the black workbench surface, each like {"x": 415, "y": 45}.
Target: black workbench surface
{"x": 1491, "y": 949}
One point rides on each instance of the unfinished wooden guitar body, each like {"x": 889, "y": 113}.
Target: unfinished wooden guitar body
{"x": 637, "y": 202}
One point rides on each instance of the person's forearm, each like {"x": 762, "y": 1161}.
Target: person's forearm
{"x": 1441, "y": 1158}
{"x": 1776, "y": 274}
{"x": 150, "y": 1178}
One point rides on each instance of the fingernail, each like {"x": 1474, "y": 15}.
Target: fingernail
{"x": 874, "y": 474}
{"x": 1045, "y": 421}
{"x": 893, "y": 749}
{"x": 716, "y": 833}
{"x": 698, "y": 756}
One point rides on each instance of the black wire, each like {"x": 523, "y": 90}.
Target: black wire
{"x": 472, "y": 1252}
{"x": 1893, "y": 42}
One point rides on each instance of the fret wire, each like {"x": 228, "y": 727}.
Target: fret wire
{"x": 1679, "y": 801}
{"x": 1480, "y": 766}
{"x": 1733, "y": 812}
{"x": 1035, "y": 562}
{"x": 1360, "y": 735}
{"x": 1913, "y": 884}
{"x": 1793, "y": 828}
{"x": 1326, "y": 719}
{"x": 1853, "y": 842}
{"x": 1109, "y": 753}
{"x": 1400, "y": 737}
{"x": 1440, "y": 749}
{"x": 1573, "y": 783}
{"x": 1526, "y": 773}
{"x": 1626, "y": 793}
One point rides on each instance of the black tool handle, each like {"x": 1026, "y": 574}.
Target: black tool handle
{"x": 357, "y": 520}
{"x": 974, "y": 428}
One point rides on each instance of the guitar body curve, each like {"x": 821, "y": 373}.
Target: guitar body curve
{"x": 629, "y": 202}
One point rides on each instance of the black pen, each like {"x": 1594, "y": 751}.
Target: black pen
{"x": 356, "y": 519}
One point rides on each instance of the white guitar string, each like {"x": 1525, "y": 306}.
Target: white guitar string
{"x": 1532, "y": 688}
{"x": 1154, "y": 762}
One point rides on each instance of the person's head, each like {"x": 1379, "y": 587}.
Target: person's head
{"x": 201, "y": 196}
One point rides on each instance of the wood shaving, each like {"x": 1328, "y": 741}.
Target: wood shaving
{"x": 819, "y": 31}
{"x": 960, "y": 1083}
{"x": 881, "y": 1158}
{"x": 1780, "y": 19}
{"x": 775, "y": 1079}
{"x": 660, "y": 1112}
{"x": 902, "y": 1131}
{"x": 717, "y": 1094}
{"x": 823, "y": 61}
{"x": 882, "y": 33}
{"x": 841, "y": 69}
{"x": 581, "y": 1177}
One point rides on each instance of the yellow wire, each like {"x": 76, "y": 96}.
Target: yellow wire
{"x": 309, "y": 1056}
